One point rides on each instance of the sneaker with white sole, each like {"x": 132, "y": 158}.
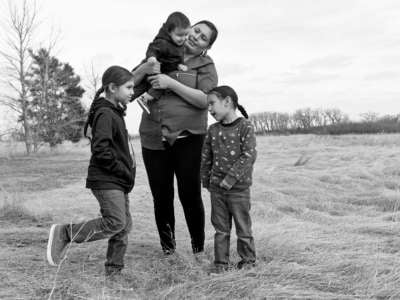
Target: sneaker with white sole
{"x": 143, "y": 104}
{"x": 57, "y": 244}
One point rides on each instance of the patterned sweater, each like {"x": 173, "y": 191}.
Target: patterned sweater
{"x": 229, "y": 153}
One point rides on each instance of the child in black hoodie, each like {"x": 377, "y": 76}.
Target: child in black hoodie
{"x": 167, "y": 49}
{"x": 111, "y": 175}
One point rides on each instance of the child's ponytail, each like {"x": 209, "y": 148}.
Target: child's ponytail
{"x": 90, "y": 117}
{"x": 242, "y": 111}
{"x": 98, "y": 93}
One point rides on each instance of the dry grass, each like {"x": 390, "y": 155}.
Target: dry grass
{"x": 325, "y": 210}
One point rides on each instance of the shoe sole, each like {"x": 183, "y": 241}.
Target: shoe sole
{"x": 50, "y": 244}
{"x": 143, "y": 106}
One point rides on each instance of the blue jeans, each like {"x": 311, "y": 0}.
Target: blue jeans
{"x": 115, "y": 223}
{"x": 225, "y": 206}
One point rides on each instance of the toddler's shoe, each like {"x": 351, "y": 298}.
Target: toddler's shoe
{"x": 143, "y": 101}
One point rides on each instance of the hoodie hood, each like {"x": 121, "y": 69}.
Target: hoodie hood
{"x": 99, "y": 103}
{"x": 164, "y": 34}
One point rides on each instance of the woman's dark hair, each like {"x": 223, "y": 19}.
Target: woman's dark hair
{"x": 114, "y": 74}
{"x": 224, "y": 91}
{"x": 214, "y": 31}
{"x": 176, "y": 20}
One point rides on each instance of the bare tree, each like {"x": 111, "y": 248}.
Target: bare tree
{"x": 318, "y": 117}
{"x": 93, "y": 81}
{"x": 334, "y": 115}
{"x": 18, "y": 33}
{"x": 304, "y": 118}
{"x": 369, "y": 117}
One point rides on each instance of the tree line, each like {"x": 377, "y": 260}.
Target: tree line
{"x": 322, "y": 121}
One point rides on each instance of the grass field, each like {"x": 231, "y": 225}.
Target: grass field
{"x": 325, "y": 212}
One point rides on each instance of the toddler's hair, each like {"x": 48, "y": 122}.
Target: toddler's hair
{"x": 176, "y": 20}
{"x": 114, "y": 74}
{"x": 224, "y": 91}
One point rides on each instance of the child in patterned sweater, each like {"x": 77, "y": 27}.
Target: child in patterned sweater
{"x": 226, "y": 171}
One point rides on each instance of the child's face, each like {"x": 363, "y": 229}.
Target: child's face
{"x": 218, "y": 108}
{"x": 123, "y": 93}
{"x": 179, "y": 35}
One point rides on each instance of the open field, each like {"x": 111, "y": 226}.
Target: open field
{"x": 326, "y": 223}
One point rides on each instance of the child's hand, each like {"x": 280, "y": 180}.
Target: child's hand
{"x": 151, "y": 67}
{"x": 152, "y": 59}
{"x": 182, "y": 68}
{"x": 225, "y": 185}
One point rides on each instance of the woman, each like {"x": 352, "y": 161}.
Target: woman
{"x": 172, "y": 136}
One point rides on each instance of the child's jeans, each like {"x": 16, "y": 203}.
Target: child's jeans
{"x": 226, "y": 205}
{"x": 115, "y": 224}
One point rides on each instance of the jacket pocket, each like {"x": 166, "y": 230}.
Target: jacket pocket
{"x": 188, "y": 78}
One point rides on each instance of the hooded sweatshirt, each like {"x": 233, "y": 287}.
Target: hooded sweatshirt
{"x": 111, "y": 165}
{"x": 169, "y": 54}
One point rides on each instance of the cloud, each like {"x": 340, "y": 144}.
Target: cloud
{"x": 306, "y": 77}
{"x": 227, "y": 69}
{"x": 327, "y": 62}
{"x": 384, "y": 75}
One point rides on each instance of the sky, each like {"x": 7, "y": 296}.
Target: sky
{"x": 279, "y": 55}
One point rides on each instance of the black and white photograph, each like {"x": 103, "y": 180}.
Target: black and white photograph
{"x": 199, "y": 149}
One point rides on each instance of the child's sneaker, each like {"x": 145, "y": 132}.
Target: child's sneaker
{"x": 57, "y": 244}
{"x": 245, "y": 265}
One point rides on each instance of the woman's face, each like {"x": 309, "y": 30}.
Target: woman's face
{"x": 198, "y": 39}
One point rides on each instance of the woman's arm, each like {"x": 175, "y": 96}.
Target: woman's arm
{"x": 193, "y": 96}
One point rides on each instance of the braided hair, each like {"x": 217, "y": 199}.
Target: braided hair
{"x": 224, "y": 91}
{"x": 114, "y": 74}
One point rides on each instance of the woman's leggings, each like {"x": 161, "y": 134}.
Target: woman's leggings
{"x": 182, "y": 159}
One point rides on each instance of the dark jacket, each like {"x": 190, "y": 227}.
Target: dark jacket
{"x": 111, "y": 165}
{"x": 166, "y": 51}
{"x": 171, "y": 114}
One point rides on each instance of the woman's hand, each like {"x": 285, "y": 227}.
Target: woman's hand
{"x": 160, "y": 81}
